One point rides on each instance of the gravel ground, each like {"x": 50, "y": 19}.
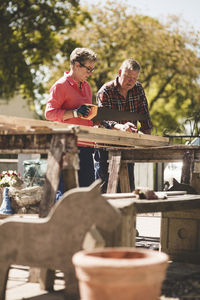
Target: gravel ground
{"x": 182, "y": 280}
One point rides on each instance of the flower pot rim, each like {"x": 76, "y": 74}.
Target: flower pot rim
{"x": 151, "y": 257}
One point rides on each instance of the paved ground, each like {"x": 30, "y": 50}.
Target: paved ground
{"x": 19, "y": 288}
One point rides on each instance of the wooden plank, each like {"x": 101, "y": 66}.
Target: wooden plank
{"x": 160, "y": 154}
{"x": 26, "y": 143}
{"x": 114, "y": 167}
{"x": 188, "y": 166}
{"x": 116, "y": 137}
{"x": 133, "y": 196}
{"x": 124, "y": 178}
{"x": 63, "y": 155}
{"x": 182, "y": 202}
{"x": 14, "y": 125}
{"x": 175, "y": 203}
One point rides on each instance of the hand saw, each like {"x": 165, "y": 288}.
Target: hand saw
{"x": 105, "y": 114}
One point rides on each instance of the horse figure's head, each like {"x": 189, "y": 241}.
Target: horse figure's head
{"x": 84, "y": 207}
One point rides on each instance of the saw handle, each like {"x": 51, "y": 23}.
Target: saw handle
{"x": 92, "y": 112}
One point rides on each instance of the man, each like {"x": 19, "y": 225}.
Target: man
{"x": 67, "y": 104}
{"x": 125, "y": 93}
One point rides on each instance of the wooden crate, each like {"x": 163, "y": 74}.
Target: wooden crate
{"x": 180, "y": 235}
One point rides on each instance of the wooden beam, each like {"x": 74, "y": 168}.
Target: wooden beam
{"x": 188, "y": 167}
{"x": 17, "y": 126}
{"x": 160, "y": 154}
{"x": 25, "y": 143}
{"x": 116, "y": 137}
{"x": 183, "y": 202}
{"x": 113, "y": 170}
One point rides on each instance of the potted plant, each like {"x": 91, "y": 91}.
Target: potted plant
{"x": 120, "y": 273}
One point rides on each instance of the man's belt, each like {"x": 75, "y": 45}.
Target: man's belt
{"x": 106, "y": 114}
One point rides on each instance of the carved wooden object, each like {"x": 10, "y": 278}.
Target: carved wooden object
{"x": 50, "y": 242}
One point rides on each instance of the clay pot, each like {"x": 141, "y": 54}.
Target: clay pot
{"x": 120, "y": 273}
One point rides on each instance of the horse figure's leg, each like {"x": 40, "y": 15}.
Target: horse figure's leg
{"x": 71, "y": 286}
{"x": 47, "y": 278}
{"x": 4, "y": 270}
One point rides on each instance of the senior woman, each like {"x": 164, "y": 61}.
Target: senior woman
{"x": 67, "y": 104}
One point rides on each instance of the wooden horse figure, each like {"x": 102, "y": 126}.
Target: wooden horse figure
{"x": 51, "y": 242}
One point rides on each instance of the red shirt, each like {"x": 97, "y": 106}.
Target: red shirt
{"x": 66, "y": 95}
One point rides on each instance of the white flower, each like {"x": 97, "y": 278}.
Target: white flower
{"x": 9, "y": 178}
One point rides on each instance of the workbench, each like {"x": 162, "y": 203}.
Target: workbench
{"x": 59, "y": 141}
{"x": 119, "y": 159}
{"x": 179, "y": 225}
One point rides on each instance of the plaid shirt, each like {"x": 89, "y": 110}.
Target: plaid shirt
{"x": 109, "y": 96}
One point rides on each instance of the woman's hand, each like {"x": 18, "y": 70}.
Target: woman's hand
{"x": 83, "y": 110}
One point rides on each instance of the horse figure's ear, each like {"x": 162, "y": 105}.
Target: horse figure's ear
{"x": 175, "y": 182}
{"x": 96, "y": 186}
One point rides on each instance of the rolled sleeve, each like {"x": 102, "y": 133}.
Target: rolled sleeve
{"x": 54, "y": 110}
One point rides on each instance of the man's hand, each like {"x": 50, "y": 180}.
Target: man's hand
{"x": 83, "y": 110}
{"x": 130, "y": 127}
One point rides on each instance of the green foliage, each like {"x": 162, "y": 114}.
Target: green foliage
{"x": 29, "y": 39}
{"x": 37, "y": 36}
{"x": 169, "y": 58}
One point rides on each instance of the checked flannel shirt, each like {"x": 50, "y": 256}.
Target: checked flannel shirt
{"x": 109, "y": 96}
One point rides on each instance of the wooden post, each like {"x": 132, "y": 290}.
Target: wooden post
{"x": 188, "y": 165}
{"x": 63, "y": 155}
{"x": 124, "y": 178}
{"x": 114, "y": 168}
{"x": 195, "y": 182}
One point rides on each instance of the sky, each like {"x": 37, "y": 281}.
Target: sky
{"x": 187, "y": 10}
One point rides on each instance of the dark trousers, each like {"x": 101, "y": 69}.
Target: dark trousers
{"x": 86, "y": 174}
{"x": 101, "y": 170}
{"x": 86, "y": 171}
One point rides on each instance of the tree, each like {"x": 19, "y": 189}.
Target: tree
{"x": 169, "y": 58}
{"x": 29, "y": 40}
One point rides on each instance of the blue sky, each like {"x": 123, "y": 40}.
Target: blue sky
{"x": 187, "y": 10}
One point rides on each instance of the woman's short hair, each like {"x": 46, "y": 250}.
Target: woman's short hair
{"x": 82, "y": 54}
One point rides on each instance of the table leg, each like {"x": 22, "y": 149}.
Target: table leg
{"x": 114, "y": 168}
{"x": 63, "y": 157}
{"x": 124, "y": 178}
{"x": 187, "y": 169}
{"x": 118, "y": 172}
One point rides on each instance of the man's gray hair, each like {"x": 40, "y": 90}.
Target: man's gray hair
{"x": 82, "y": 54}
{"x": 130, "y": 64}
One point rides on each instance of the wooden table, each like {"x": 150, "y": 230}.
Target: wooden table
{"x": 19, "y": 135}
{"x": 180, "y": 223}
{"x": 179, "y": 226}
{"x": 118, "y": 160}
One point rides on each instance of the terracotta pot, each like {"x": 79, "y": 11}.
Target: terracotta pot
{"x": 120, "y": 273}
